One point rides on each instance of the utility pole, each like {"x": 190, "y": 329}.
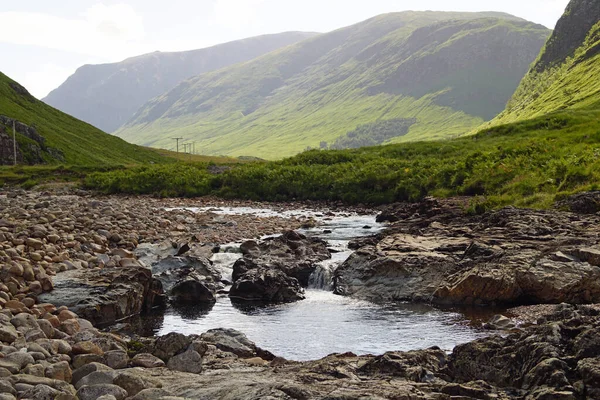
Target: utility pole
{"x": 14, "y": 143}
{"x": 177, "y": 139}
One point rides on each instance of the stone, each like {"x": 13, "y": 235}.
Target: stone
{"x": 40, "y": 392}
{"x": 146, "y": 360}
{"x": 107, "y": 295}
{"x": 61, "y": 371}
{"x": 93, "y": 392}
{"x": 87, "y": 348}
{"x": 499, "y": 322}
{"x": 170, "y": 344}
{"x": 96, "y": 378}
{"x": 6, "y": 387}
{"x": 151, "y": 394}
{"x": 266, "y": 285}
{"x": 132, "y": 382}
{"x": 88, "y": 369}
{"x": 83, "y": 359}
{"x": 231, "y": 341}
{"x": 116, "y": 359}
{"x": 8, "y": 333}
{"x": 188, "y": 361}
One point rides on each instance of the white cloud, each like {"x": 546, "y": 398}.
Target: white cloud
{"x": 237, "y": 14}
{"x": 110, "y": 31}
{"x": 44, "y": 78}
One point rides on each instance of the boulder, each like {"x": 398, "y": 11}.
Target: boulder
{"x": 292, "y": 253}
{"x": 107, "y": 295}
{"x": 188, "y": 279}
{"x": 266, "y": 285}
{"x": 94, "y": 392}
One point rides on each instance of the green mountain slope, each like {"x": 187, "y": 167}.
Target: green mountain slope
{"x": 108, "y": 95}
{"x": 565, "y": 75}
{"x": 442, "y": 73}
{"x": 65, "y": 139}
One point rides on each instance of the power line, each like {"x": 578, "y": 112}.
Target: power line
{"x": 177, "y": 139}
{"x": 14, "y": 143}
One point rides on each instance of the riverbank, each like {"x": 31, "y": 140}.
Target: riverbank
{"x": 48, "y": 351}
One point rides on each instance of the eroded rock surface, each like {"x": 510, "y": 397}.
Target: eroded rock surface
{"x": 438, "y": 254}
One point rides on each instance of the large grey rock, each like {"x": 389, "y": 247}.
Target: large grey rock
{"x": 87, "y": 369}
{"x": 266, "y": 285}
{"x": 231, "y": 341}
{"x": 96, "y": 378}
{"x": 188, "y": 279}
{"x": 188, "y": 361}
{"x": 107, "y": 295}
{"x": 292, "y": 253}
{"x": 170, "y": 344}
{"x": 509, "y": 256}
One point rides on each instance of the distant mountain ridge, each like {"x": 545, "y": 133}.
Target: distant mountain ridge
{"x": 107, "y": 95}
{"x": 565, "y": 75}
{"x": 447, "y": 71}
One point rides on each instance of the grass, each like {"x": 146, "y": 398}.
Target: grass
{"x": 573, "y": 84}
{"x": 324, "y": 87}
{"x": 529, "y": 164}
{"x": 81, "y": 144}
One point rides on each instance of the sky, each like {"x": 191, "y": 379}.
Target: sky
{"x": 43, "y": 42}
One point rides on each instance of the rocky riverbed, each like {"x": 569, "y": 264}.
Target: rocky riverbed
{"x": 73, "y": 263}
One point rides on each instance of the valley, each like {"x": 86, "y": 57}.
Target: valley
{"x": 404, "y": 208}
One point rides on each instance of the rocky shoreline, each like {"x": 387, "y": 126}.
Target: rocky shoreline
{"x": 72, "y": 263}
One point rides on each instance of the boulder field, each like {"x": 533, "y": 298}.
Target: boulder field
{"x": 73, "y": 263}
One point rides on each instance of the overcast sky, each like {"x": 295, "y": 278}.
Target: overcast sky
{"x": 43, "y": 42}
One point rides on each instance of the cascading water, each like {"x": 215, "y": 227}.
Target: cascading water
{"x": 323, "y": 323}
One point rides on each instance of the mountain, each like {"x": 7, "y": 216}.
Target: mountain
{"x": 46, "y": 135}
{"x": 108, "y": 95}
{"x": 422, "y": 75}
{"x": 565, "y": 75}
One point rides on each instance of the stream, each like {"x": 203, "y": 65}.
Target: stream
{"x": 324, "y": 323}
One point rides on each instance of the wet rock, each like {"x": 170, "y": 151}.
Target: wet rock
{"x": 292, "y": 253}
{"x": 499, "y": 322}
{"x": 266, "y": 285}
{"x": 188, "y": 279}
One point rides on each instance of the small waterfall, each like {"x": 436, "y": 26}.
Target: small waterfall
{"x": 322, "y": 277}
{"x": 223, "y": 262}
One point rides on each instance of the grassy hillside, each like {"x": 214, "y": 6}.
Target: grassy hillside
{"x": 80, "y": 143}
{"x": 108, "y": 95}
{"x": 565, "y": 75}
{"x": 529, "y": 163}
{"x": 449, "y": 72}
